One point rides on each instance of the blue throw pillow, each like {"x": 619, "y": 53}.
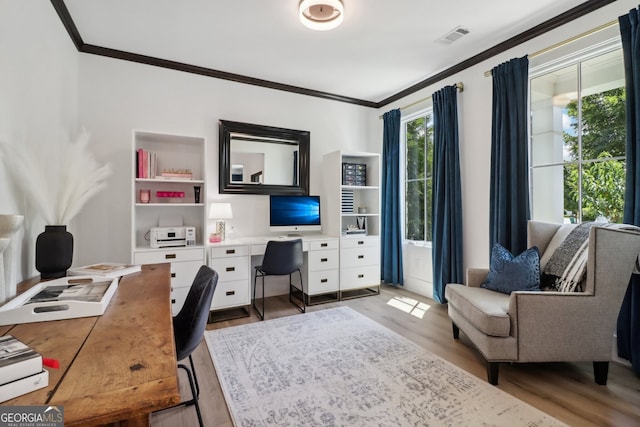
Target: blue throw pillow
{"x": 508, "y": 273}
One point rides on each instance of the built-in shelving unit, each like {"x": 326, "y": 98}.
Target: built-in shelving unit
{"x": 171, "y": 202}
{"x": 351, "y": 211}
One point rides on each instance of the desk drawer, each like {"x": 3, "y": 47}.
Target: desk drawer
{"x": 321, "y": 282}
{"x": 228, "y": 251}
{"x": 169, "y": 255}
{"x": 358, "y": 242}
{"x": 323, "y": 244}
{"x": 323, "y": 260}
{"x": 231, "y": 294}
{"x": 359, "y": 277}
{"x": 367, "y": 255}
{"x": 183, "y": 273}
{"x": 232, "y": 268}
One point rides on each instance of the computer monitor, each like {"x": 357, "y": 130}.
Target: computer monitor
{"x": 294, "y": 213}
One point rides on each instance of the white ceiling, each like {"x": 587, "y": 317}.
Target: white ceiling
{"x": 381, "y": 48}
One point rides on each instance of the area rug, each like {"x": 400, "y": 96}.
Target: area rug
{"x": 336, "y": 367}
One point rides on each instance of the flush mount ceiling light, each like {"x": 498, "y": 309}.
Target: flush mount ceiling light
{"x": 321, "y": 15}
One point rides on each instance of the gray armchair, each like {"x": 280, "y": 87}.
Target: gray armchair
{"x": 543, "y": 326}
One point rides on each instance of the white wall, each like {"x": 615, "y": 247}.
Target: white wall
{"x": 474, "y": 115}
{"x": 118, "y": 96}
{"x": 38, "y": 97}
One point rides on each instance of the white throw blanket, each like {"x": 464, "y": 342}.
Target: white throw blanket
{"x": 569, "y": 262}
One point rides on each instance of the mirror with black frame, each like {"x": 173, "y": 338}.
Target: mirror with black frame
{"x": 256, "y": 159}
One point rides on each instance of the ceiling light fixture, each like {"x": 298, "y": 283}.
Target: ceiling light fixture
{"x": 321, "y": 15}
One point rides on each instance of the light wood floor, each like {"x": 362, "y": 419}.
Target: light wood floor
{"x": 566, "y": 391}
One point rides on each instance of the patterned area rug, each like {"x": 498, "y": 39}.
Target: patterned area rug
{"x": 336, "y": 367}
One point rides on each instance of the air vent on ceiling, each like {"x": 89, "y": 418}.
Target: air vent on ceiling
{"x": 454, "y": 35}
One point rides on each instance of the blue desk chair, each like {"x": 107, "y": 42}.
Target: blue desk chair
{"x": 281, "y": 258}
{"x": 189, "y": 326}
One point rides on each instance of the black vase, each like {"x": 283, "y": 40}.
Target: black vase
{"x": 54, "y": 251}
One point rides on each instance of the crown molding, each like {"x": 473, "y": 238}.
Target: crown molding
{"x": 551, "y": 24}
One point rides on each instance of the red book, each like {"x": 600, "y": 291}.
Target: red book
{"x": 145, "y": 164}
{"x": 140, "y": 163}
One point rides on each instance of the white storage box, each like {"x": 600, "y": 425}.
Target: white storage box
{"x": 64, "y": 298}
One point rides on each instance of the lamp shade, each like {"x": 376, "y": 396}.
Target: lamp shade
{"x": 220, "y": 211}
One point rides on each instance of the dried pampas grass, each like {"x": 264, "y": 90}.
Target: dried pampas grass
{"x": 57, "y": 178}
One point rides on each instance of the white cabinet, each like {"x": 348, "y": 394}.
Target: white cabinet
{"x": 234, "y": 278}
{"x": 360, "y": 263}
{"x": 168, "y": 187}
{"x": 351, "y": 210}
{"x": 185, "y": 263}
{"x": 321, "y": 270}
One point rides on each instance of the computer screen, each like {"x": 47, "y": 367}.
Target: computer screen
{"x": 294, "y": 213}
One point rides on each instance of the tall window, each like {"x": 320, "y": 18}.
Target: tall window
{"x": 417, "y": 136}
{"x": 578, "y": 139}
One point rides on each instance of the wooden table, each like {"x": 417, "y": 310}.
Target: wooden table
{"x": 120, "y": 366}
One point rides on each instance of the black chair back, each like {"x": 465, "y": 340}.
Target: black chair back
{"x": 189, "y": 324}
{"x": 282, "y": 257}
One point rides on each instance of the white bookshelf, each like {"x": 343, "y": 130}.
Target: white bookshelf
{"x": 343, "y": 217}
{"x": 173, "y": 152}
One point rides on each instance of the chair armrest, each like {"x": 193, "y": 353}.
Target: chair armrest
{"x": 476, "y": 276}
{"x": 554, "y": 326}
{"x": 537, "y": 308}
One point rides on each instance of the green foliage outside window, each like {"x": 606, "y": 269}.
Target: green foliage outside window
{"x": 603, "y": 138}
{"x": 418, "y": 178}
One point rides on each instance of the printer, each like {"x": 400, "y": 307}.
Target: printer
{"x": 172, "y": 237}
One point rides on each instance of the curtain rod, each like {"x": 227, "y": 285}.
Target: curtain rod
{"x": 567, "y": 41}
{"x": 459, "y": 86}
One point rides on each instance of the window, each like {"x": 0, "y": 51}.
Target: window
{"x": 578, "y": 139}
{"x": 417, "y": 137}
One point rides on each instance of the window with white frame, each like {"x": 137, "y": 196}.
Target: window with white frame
{"x": 417, "y": 140}
{"x": 578, "y": 138}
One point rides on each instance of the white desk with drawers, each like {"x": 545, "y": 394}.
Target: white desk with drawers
{"x": 325, "y": 267}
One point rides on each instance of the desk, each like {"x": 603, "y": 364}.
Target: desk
{"x": 120, "y": 366}
{"x": 233, "y": 259}
{"x": 332, "y": 267}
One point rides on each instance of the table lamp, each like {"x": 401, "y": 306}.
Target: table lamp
{"x": 219, "y": 212}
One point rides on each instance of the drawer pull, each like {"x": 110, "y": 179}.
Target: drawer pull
{"x": 173, "y": 301}
{"x": 361, "y": 242}
{"x": 229, "y": 293}
{"x": 324, "y": 280}
{"x": 231, "y": 269}
{"x": 324, "y": 259}
{"x": 324, "y": 245}
{"x": 170, "y": 256}
{"x": 360, "y": 256}
{"x": 360, "y": 276}
{"x": 231, "y": 251}
{"x": 173, "y": 275}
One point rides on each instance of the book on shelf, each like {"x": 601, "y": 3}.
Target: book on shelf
{"x": 24, "y": 385}
{"x": 175, "y": 175}
{"x": 17, "y": 360}
{"x": 106, "y": 269}
{"x": 146, "y": 165}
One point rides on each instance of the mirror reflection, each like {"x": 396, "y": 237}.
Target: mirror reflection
{"x": 256, "y": 159}
{"x": 263, "y": 160}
